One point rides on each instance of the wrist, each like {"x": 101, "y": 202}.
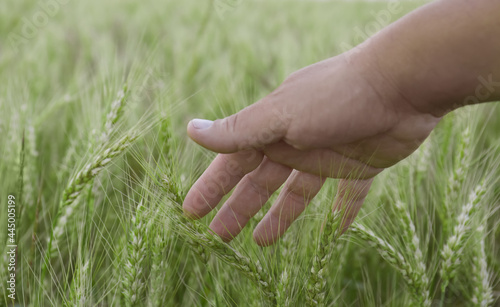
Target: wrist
{"x": 430, "y": 88}
{"x": 437, "y": 68}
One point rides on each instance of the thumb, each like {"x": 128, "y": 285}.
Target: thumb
{"x": 253, "y": 127}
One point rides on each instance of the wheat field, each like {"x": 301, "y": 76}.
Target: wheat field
{"x": 95, "y": 163}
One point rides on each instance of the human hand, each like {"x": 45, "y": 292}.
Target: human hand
{"x": 336, "y": 118}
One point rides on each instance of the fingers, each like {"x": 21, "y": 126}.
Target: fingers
{"x": 321, "y": 162}
{"x": 225, "y": 171}
{"x": 299, "y": 190}
{"x": 350, "y": 197}
{"x": 250, "y": 195}
{"x": 257, "y": 181}
{"x": 253, "y": 127}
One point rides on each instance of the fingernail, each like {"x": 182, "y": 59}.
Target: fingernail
{"x": 201, "y": 123}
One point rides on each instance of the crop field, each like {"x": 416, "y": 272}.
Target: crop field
{"x": 95, "y": 162}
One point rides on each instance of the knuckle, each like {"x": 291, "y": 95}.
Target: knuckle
{"x": 229, "y": 124}
{"x": 257, "y": 186}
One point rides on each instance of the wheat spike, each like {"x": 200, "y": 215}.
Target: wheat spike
{"x": 394, "y": 258}
{"x": 482, "y": 295}
{"x": 453, "y": 249}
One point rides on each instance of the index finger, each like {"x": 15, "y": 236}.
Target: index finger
{"x": 225, "y": 171}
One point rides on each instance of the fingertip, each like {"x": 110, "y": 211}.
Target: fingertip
{"x": 211, "y": 136}
{"x": 189, "y": 213}
{"x": 218, "y": 228}
{"x": 193, "y": 208}
{"x": 261, "y": 239}
{"x": 197, "y": 126}
{"x": 201, "y": 124}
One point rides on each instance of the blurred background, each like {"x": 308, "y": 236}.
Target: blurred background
{"x": 62, "y": 65}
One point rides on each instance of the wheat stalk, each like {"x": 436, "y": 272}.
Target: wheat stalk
{"x": 68, "y": 204}
{"x": 114, "y": 114}
{"x": 317, "y": 280}
{"x": 4, "y": 272}
{"x": 80, "y": 286}
{"x": 412, "y": 242}
{"x": 394, "y": 258}
{"x": 199, "y": 235}
{"x": 282, "y": 295}
{"x": 133, "y": 282}
{"x": 460, "y": 167}
{"x": 173, "y": 192}
{"x": 30, "y": 166}
{"x": 455, "y": 244}
{"x": 83, "y": 177}
{"x": 117, "y": 270}
{"x": 482, "y": 295}
{"x": 159, "y": 266}
{"x": 424, "y": 156}
{"x": 283, "y": 289}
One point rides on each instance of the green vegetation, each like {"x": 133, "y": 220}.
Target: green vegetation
{"x": 93, "y": 109}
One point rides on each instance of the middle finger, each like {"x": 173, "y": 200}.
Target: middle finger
{"x": 250, "y": 195}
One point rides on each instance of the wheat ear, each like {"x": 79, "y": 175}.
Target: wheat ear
{"x": 394, "y": 258}
{"x": 457, "y": 179}
{"x": 160, "y": 242}
{"x": 75, "y": 187}
{"x": 283, "y": 298}
{"x": 114, "y": 114}
{"x": 317, "y": 280}
{"x": 199, "y": 235}
{"x": 413, "y": 248}
{"x": 80, "y": 181}
{"x": 453, "y": 248}
{"x": 80, "y": 285}
{"x": 134, "y": 280}
{"x": 482, "y": 294}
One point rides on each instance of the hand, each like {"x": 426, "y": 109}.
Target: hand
{"x": 336, "y": 118}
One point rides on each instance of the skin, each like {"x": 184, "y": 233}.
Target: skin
{"x": 347, "y": 117}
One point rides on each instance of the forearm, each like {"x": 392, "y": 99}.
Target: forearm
{"x": 442, "y": 56}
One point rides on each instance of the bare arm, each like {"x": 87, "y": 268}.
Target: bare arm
{"x": 441, "y": 56}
